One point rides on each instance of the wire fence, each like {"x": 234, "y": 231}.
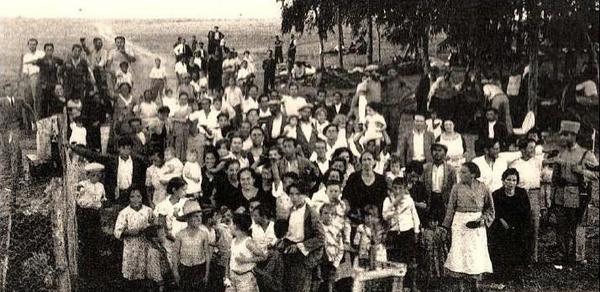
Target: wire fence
{"x": 26, "y": 245}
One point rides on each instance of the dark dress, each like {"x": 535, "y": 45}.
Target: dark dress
{"x": 360, "y": 195}
{"x": 508, "y": 246}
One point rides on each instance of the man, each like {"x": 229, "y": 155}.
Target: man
{"x": 319, "y": 156}
{"x": 119, "y": 54}
{"x": 302, "y": 245}
{"x": 97, "y": 59}
{"x": 439, "y": 178}
{"x": 138, "y": 137}
{"x": 572, "y": 181}
{"x": 201, "y": 57}
{"x": 493, "y": 163}
{"x": 194, "y": 43}
{"x": 11, "y": 115}
{"x": 393, "y": 96}
{"x": 123, "y": 173}
{"x": 530, "y": 174}
{"x": 491, "y": 129}
{"x": 306, "y": 133}
{"x": 50, "y": 68}
{"x": 291, "y": 162}
{"x": 338, "y": 107}
{"x": 278, "y": 50}
{"x": 78, "y": 76}
{"x": 30, "y": 73}
{"x": 293, "y": 102}
{"x": 292, "y": 50}
{"x": 214, "y": 39}
{"x": 498, "y": 100}
{"x": 269, "y": 66}
{"x": 275, "y": 123}
{"x": 416, "y": 145}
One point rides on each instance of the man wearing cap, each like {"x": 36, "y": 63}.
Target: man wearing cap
{"x": 572, "y": 182}
{"x": 306, "y": 133}
{"x": 416, "y": 145}
{"x": 439, "y": 178}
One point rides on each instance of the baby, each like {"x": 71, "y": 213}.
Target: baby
{"x": 173, "y": 166}
{"x": 374, "y": 122}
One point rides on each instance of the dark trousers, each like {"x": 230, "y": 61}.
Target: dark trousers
{"x": 192, "y": 278}
{"x": 278, "y": 55}
{"x": 269, "y": 82}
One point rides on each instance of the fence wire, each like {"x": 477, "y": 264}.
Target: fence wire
{"x": 26, "y": 245}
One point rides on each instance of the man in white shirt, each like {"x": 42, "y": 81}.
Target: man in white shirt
{"x": 292, "y": 102}
{"x": 493, "y": 163}
{"x": 530, "y": 174}
{"x": 30, "y": 72}
{"x": 416, "y": 145}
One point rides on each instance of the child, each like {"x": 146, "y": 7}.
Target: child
{"x": 290, "y": 129}
{"x": 140, "y": 261}
{"x": 224, "y": 127}
{"x": 220, "y": 225}
{"x": 395, "y": 169}
{"x": 219, "y": 106}
{"x": 90, "y": 196}
{"x": 401, "y": 214}
{"x": 434, "y": 124}
{"x": 321, "y": 122}
{"x": 334, "y": 246}
{"x": 180, "y": 126}
{"x": 78, "y": 132}
{"x": 148, "y": 109}
{"x": 374, "y": 122}
{"x": 369, "y": 239}
{"x": 192, "y": 253}
{"x": 170, "y": 101}
{"x": 192, "y": 174}
{"x": 245, "y": 253}
{"x": 74, "y": 106}
{"x": 173, "y": 166}
{"x": 155, "y": 188}
{"x": 158, "y": 79}
{"x": 123, "y": 75}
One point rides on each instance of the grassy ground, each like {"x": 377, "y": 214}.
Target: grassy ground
{"x": 151, "y": 39}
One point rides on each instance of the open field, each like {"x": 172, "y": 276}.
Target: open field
{"x": 154, "y": 38}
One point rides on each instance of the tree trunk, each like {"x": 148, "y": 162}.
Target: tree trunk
{"x": 533, "y": 48}
{"x": 321, "y": 51}
{"x": 370, "y": 37}
{"x": 378, "y": 44}
{"x": 340, "y": 38}
{"x": 425, "y": 49}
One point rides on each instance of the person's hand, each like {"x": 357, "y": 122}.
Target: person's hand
{"x": 291, "y": 249}
{"x": 421, "y": 205}
{"x": 504, "y": 224}
{"x": 473, "y": 224}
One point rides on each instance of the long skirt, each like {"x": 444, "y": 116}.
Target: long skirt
{"x": 468, "y": 254}
{"x": 157, "y": 86}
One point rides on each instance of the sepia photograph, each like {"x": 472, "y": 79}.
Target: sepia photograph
{"x": 299, "y": 146}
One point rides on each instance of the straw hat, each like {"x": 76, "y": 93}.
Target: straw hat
{"x": 93, "y": 167}
{"x": 570, "y": 126}
{"x": 190, "y": 207}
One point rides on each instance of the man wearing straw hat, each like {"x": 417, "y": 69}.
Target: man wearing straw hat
{"x": 572, "y": 182}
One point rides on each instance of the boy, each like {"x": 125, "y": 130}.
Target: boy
{"x": 123, "y": 75}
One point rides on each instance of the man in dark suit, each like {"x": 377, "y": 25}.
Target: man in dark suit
{"x": 275, "y": 123}
{"x": 12, "y": 114}
{"x": 214, "y": 39}
{"x": 291, "y": 162}
{"x": 338, "y": 107}
{"x": 439, "y": 178}
{"x": 269, "y": 66}
{"x": 123, "y": 172}
{"x": 302, "y": 245}
{"x": 491, "y": 129}
{"x": 416, "y": 144}
{"x": 306, "y": 132}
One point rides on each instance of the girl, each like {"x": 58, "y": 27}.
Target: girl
{"x": 180, "y": 126}
{"x": 192, "y": 174}
{"x": 334, "y": 247}
{"x": 369, "y": 239}
{"x": 165, "y": 212}
{"x": 290, "y": 129}
{"x": 321, "y": 122}
{"x": 140, "y": 261}
{"x": 124, "y": 75}
{"x": 158, "y": 79}
{"x": 148, "y": 109}
{"x": 192, "y": 252}
{"x": 374, "y": 122}
{"x": 244, "y": 255}
{"x": 394, "y": 169}
{"x": 154, "y": 175}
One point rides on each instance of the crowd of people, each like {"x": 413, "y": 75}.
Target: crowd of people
{"x": 230, "y": 187}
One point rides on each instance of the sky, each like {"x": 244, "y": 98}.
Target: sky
{"x": 140, "y": 9}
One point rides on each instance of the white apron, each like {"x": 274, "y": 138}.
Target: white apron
{"x": 469, "y": 250}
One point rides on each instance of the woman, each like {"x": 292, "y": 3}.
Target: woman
{"x": 457, "y": 148}
{"x": 470, "y": 209}
{"x": 364, "y": 187}
{"x": 249, "y": 192}
{"x": 212, "y": 172}
{"x": 508, "y": 233}
{"x": 245, "y": 253}
{"x": 345, "y": 154}
{"x": 227, "y": 192}
{"x": 257, "y": 136}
